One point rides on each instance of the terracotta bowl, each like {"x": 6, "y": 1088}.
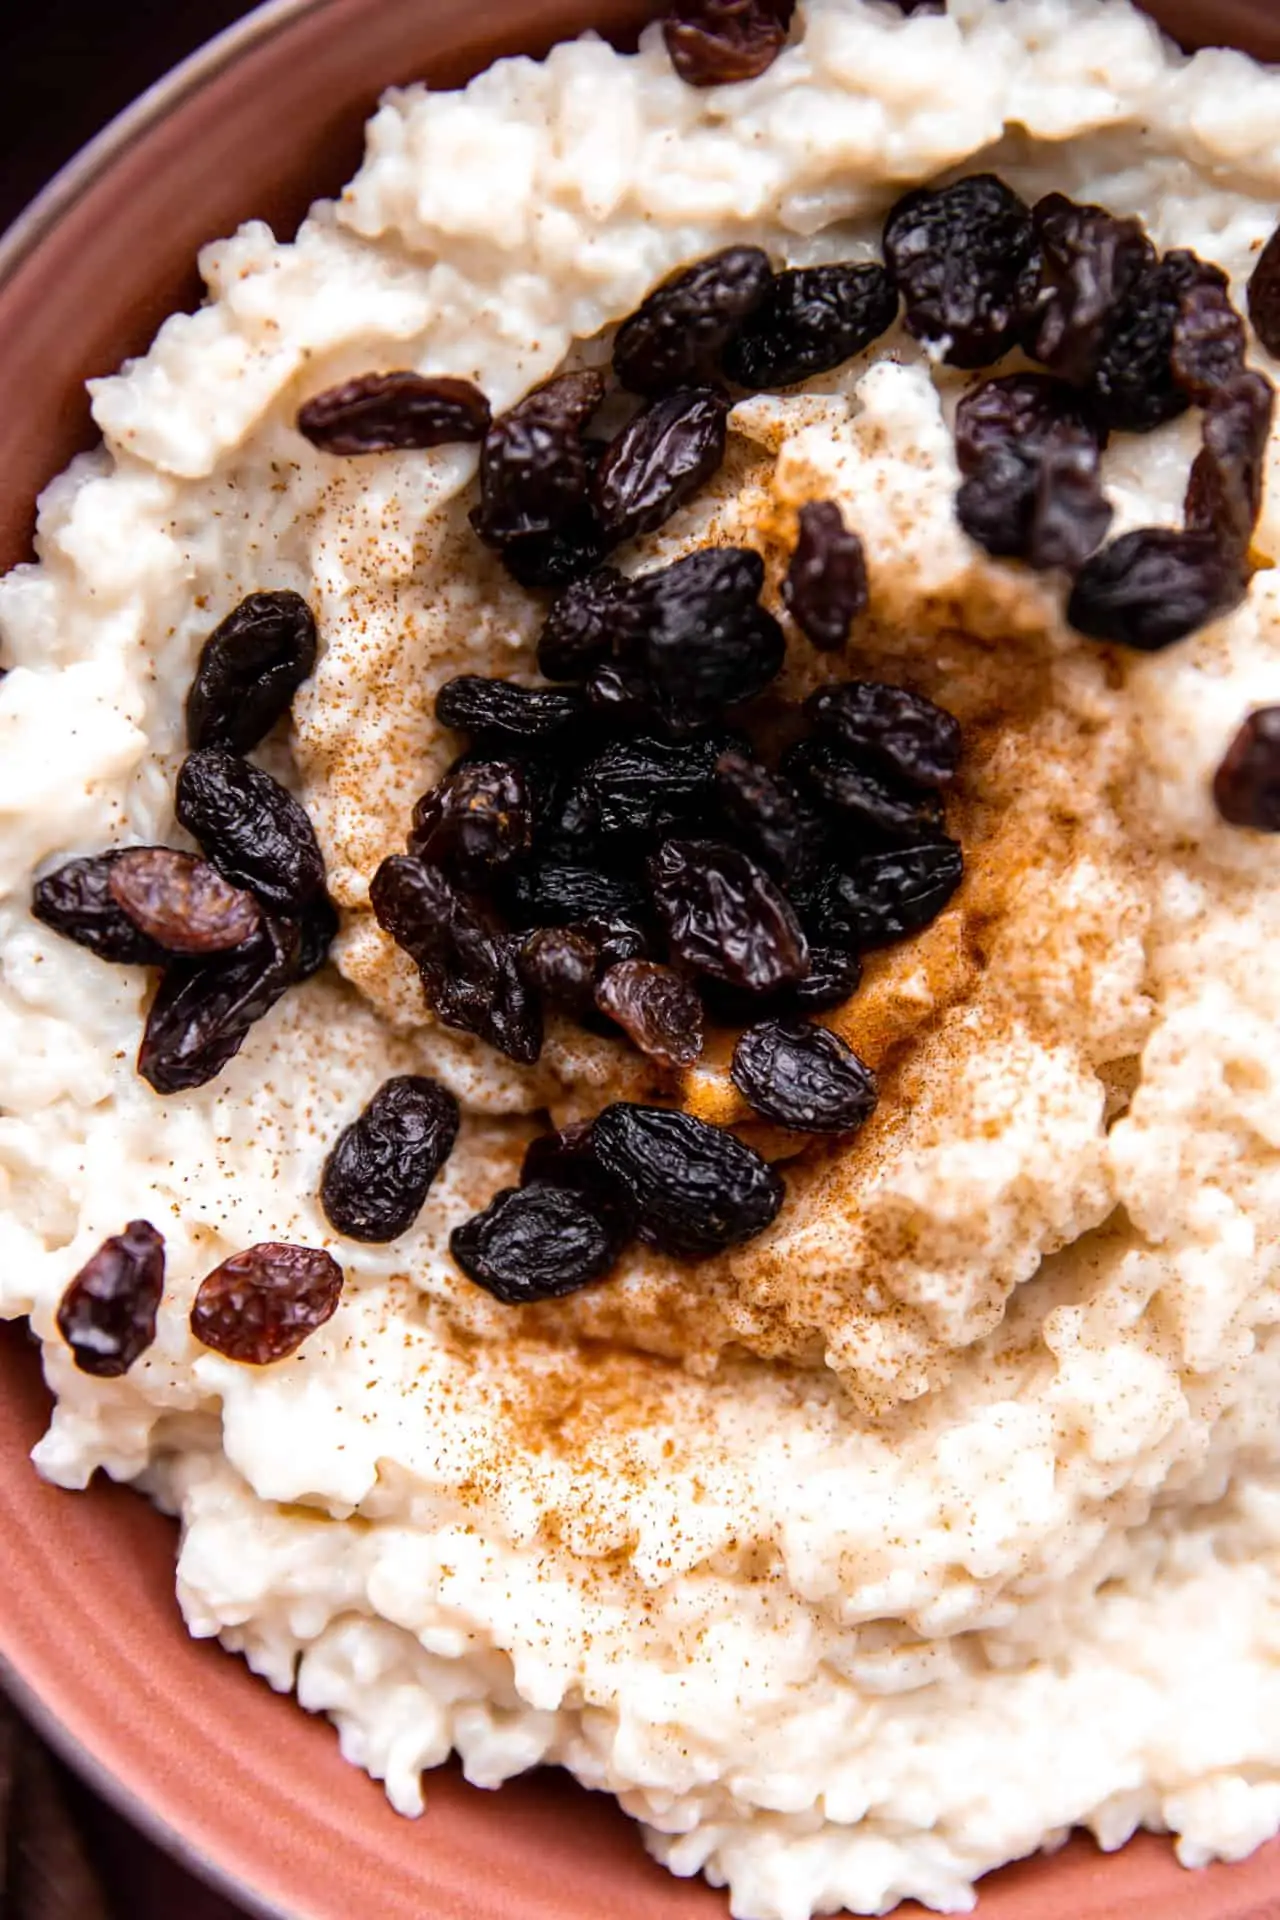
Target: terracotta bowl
{"x": 239, "y": 1783}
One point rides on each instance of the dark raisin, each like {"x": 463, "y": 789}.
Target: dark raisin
{"x": 811, "y": 320}
{"x": 582, "y": 625}
{"x": 1246, "y": 787}
{"x": 534, "y": 1243}
{"x": 803, "y": 1076}
{"x": 656, "y": 1008}
{"x": 317, "y": 927}
{"x": 254, "y": 831}
{"x": 1021, "y": 411}
{"x": 659, "y": 460}
{"x": 725, "y": 917}
{"x": 706, "y": 642}
{"x": 621, "y": 695}
{"x": 834, "y": 976}
{"x": 203, "y": 1009}
{"x": 571, "y": 551}
{"x": 533, "y": 465}
{"x": 884, "y": 897}
{"x": 1089, "y": 260}
{"x": 477, "y": 820}
{"x": 1224, "y": 492}
{"x": 1048, "y": 509}
{"x": 780, "y": 827}
{"x": 181, "y": 902}
{"x": 380, "y": 1168}
{"x": 826, "y": 584}
{"x": 261, "y": 1305}
{"x": 501, "y": 710}
{"x": 1154, "y": 586}
{"x": 1264, "y": 296}
{"x": 675, "y": 337}
{"x": 645, "y": 785}
{"x": 695, "y": 1189}
{"x": 713, "y": 43}
{"x": 1208, "y": 341}
{"x": 1133, "y": 387}
{"x": 249, "y": 669}
{"x": 966, "y": 262}
{"x": 561, "y": 964}
{"x": 76, "y": 901}
{"x": 617, "y": 937}
{"x": 376, "y": 412}
{"x": 107, "y": 1315}
{"x": 901, "y": 731}
{"x": 899, "y": 816}
{"x": 558, "y": 893}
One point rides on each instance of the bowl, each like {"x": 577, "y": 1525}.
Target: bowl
{"x": 237, "y": 1782}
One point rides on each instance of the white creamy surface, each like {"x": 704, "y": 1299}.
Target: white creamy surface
{"x": 944, "y": 1517}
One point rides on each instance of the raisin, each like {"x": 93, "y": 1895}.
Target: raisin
{"x": 249, "y": 669}
{"x": 1208, "y": 341}
{"x": 834, "y": 975}
{"x": 107, "y": 1315}
{"x": 621, "y": 695}
{"x": 251, "y": 828}
{"x": 581, "y": 627}
{"x": 1047, "y": 509}
{"x": 534, "y": 1243}
{"x": 645, "y": 785}
{"x": 76, "y": 901}
{"x": 675, "y": 337}
{"x": 1246, "y": 787}
{"x": 617, "y": 937}
{"x": 883, "y": 897}
{"x": 1224, "y": 492}
{"x": 1154, "y": 586}
{"x": 713, "y": 43}
{"x": 317, "y": 929}
{"x": 566, "y": 1158}
{"x": 261, "y": 1305}
{"x": 1019, "y": 411}
{"x": 826, "y": 584}
{"x": 560, "y": 893}
{"x": 659, "y": 460}
{"x": 203, "y": 1009}
{"x": 561, "y": 964}
{"x": 1089, "y": 260}
{"x": 780, "y": 828}
{"x": 725, "y": 917}
{"x": 380, "y": 1168}
{"x": 571, "y": 551}
{"x": 534, "y": 467}
{"x": 811, "y": 320}
{"x": 901, "y": 731}
{"x": 899, "y": 816}
{"x": 706, "y": 642}
{"x": 502, "y": 710}
{"x": 804, "y": 1077}
{"x": 182, "y": 903}
{"x": 1133, "y": 387}
{"x": 1264, "y": 296}
{"x": 377, "y": 412}
{"x": 695, "y": 1189}
{"x": 966, "y": 261}
{"x": 478, "y": 819}
{"x": 656, "y": 1008}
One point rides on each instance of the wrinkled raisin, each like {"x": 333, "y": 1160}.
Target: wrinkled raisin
{"x": 561, "y": 964}
{"x": 534, "y": 1243}
{"x": 659, "y": 460}
{"x": 883, "y": 897}
{"x": 901, "y": 731}
{"x": 695, "y": 1189}
{"x": 566, "y": 1158}
{"x": 478, "y": 819}
{"x": 252, "y": 829}
{"x": 76, "y": 901}
{"x": 834, "y": 975}
{"x": 571, "y": 551}
{"x": 1018, "y": 411}
{"x": 811, "y": 320}
{"x": 317, "y": 927}
{"x": 249, "y": 669}
{"x": 560, "y": 893}
{"x": 203, "y": 1009}
{"x": 582, "y": 624}
{"x": 1048, "y": 509}
{"x": 1246, "y": 787}
{"x": 621, "y": 695}
{"x": 502, "y": 710}
{"x": 1133, "y": 387}
{"x": 1089, "y": 260}
{"x": 826, "y": 584}
{"x": 644, "y": 785}
{"x": 107, "y": 1315}
{"x": 725, "y": 917}
{"x": 380, "y": 1168}
{"x": 656, "y": 1008}
{"x": 706, "y": 642}
{"x": 377, "y": 412}
{"x": 533, "y": 465}
{"x": 1154, "y": 586}
{"x": 261, "y": 1305}
{"x": 713, "y": 43}
{"x": 1264, "y": 296}
{"x": 1224, "y": 492}
{"x": 966, "y": 261}
{"x": 900, "y": 816}
{"x": 1208, "y": 341}
{"x": 675, "y": 337}
{"x": 182, "y": 903}
{"x": 780, "y": 828}
{"x": 803, "y": 1076}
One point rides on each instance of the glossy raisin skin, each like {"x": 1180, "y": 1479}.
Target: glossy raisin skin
{"x": 907, "y": 735}
{"x": 1133, "y": 388}
{"x": 826, "y": 585}
{"x": 725, "y": 917}
{"x": 561, "y": 893}
{"x": 705, "y": 643}
{"x": 107, "y": 1315}
{"x": 1207, "y": 350}
{"x": 567, "y": 1158}
{"x": 477, "y": 820}
{"x": 676, "y": 336}
{"x": 252, "y": 829}
{"x": 536, "y": 1242}
{"x": 1154, "y": 586}
{"x": 1089, "y": 261}
{"x": 76, "y": 901}
{"x": 203, "y": 1009}
{"x": 381, "y": 1167}
{"x": 1049, "y": 510}
{"x": 1264, "y": 296}
{"x": 260, "y": 1305}
{"x": 1224, "y": 491}
{"x": 582, "y": 625}
{"x": 572, "y": 551}
{"x": 534, "y": 466}
{"x": 659, "y": 460}
{"x": 765, "y": 810}
{"x": 561, "y": 964}
{"x": 695, "y": 1190}
{"x": 834, "y": 976}
{"x": 884, "y": 897}
{"x": 501, "y": 711}
{"x": 803, "y": 1077}
{"x": 713, "y": 43}
{"x": 377, "y": 412}
{"x": 317, "y": 928}
{"x": 645, "y": 785}
{"x": 656, "y": 1008}
{"x": 879, "y": 809}
{"x": 811, "y": 320}
{"x": 1246, "y": 787}
{"x": 181, "y": 902}
{"x": 1019, "y": 412}
{"x": 249, "y": 669}
{"x": 966, "y": 261}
